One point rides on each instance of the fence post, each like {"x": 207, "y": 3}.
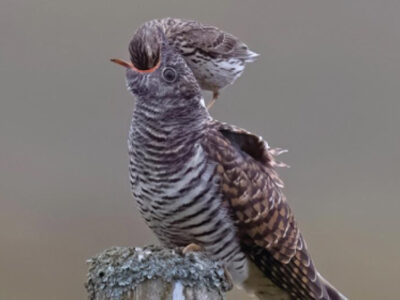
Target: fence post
{"x": 152, "y": 273}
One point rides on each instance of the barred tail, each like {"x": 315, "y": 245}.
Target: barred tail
{"x": 298, "y": 279}
{"x": 332, "y": 292}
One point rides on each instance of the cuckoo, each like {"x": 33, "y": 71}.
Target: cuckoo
{"x": 199, "y": 181}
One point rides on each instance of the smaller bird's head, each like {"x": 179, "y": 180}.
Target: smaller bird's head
{"x": 157, "y": 71}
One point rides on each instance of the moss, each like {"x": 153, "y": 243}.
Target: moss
{"x": 115, "y": 272}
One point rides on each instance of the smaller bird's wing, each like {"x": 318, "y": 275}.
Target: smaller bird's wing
{"x": 268, "y": 231}
{"x": 206, "y": 39}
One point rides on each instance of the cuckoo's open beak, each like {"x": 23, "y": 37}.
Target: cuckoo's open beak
{"x": 129, "y": 65}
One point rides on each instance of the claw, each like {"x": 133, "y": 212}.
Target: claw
{"x": 192, "y": 247}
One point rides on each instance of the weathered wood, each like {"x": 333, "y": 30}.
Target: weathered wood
{"x": 153, "y": 273}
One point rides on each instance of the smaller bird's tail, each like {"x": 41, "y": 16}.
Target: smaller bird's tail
{"x": 251, "y": 56}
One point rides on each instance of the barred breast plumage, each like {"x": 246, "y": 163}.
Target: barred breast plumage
{"x": 176, "y": 188}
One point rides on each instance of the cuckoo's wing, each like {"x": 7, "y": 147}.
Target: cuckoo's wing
{"x": 209, "y": 39}
{"x": 268, "y": 231}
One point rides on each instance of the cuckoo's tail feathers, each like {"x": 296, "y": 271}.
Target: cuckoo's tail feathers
{"x": 271, "y": 279}
{"x": 333, "y": 293}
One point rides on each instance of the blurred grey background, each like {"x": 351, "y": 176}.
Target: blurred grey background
{"x": 326, "y": 86}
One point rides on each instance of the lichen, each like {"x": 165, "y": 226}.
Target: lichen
{"x": 115, "y": 272}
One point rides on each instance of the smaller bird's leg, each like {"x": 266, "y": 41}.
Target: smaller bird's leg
{"x": 192, "y": 247}
{"x": 215, "y": 96}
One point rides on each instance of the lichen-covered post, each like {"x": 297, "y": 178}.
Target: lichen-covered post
{"x": 153, "y": 273}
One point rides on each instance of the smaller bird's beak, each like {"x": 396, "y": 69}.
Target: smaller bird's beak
{"x": 122, "y": 63}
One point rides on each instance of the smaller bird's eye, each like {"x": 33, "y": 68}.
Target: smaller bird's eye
{"x": 169, "y": 74}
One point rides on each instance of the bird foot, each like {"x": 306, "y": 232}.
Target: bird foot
{"x": 192, "y": 247}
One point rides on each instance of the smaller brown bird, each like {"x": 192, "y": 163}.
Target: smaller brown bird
{"x": 216, "y": 58}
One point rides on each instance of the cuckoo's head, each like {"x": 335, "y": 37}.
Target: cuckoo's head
{"x": 157, "y": 70}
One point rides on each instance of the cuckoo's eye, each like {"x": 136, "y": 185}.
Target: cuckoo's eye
{"x": 169, "y": 75}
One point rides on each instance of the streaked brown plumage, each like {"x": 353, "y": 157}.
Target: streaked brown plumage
{"x": 267, "y": 228}
{"x": 217, "y": 58}
{"x": 197, "y": 180}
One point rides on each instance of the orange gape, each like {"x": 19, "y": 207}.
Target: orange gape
{"x": 131, "y": 66}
